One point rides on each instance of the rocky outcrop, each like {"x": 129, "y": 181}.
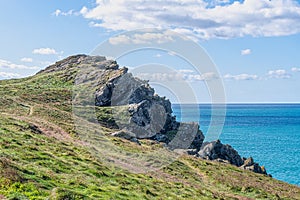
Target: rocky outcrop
{"x": 139, "y": 113}
{"x": 134, "y": 105}
{"x": 216, "y": 150}
{"x": 225, "y": 153}
{"x": 249, "y": 164}
{"x": 187, "y": 136}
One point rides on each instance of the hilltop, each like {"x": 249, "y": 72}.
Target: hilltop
{"x": 47, "y": 151}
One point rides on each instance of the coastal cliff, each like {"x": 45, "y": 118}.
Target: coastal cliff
{"x": 116, "y": 87}
{"x": 42, "y": 155}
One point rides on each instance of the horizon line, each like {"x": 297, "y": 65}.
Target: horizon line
{"x": 236, "y": 103}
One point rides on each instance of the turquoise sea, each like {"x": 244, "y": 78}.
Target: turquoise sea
{"x": 270, "y": 133}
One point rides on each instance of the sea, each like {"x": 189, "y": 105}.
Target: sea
{"x": 270, "y": 133}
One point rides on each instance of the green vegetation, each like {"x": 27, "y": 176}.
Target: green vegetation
{"x": 41, "y": 157}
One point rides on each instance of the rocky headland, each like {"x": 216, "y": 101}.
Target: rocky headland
{"x": 114, "y": 86}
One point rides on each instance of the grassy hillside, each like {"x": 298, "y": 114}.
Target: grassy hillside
{"x": 41, "y": 156}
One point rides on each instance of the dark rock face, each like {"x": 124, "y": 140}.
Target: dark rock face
{"x": 216, "y": 150}
{"x": 103, "y": 96}
{"x": 141, "y": 112}
{"x": 149, "y": 115}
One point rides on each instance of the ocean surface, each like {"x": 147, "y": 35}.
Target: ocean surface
{"x": 270, "y": 133}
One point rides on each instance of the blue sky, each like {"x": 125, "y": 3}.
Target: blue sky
{"x": 255, "y": 44}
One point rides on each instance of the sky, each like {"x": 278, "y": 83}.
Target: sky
{"x": 254, "y": 44}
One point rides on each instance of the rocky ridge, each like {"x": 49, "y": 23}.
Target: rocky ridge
{"x": 149, "y": 116}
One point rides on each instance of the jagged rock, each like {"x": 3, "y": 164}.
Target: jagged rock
{"x": 249, "y": 164}
{"x": 225, "y": 153}
{"x": 189, "y": 135}
{"x": 66, "y": 63}
{"x": 148, "y": 115}
{"x": 142, "y": 113}
{"x": 186, "y": 136}
{"x": 216, "y": 150}
{"x": 103, "y": 96}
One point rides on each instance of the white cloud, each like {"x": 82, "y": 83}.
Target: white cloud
{"x": 201, "y": 18}
{"x": 186, "y": 71}
{"x": 241, "y": 77}
{"x": 121, "y": 39}
{"x": 45, "y": 51}
{"x": 58, "y": 12}
{"x": 280, "y": 73}
{"x": 29, "y": 60}
{"x": 143, "y": 38}
{"x": 93, "y": 24}
{"x": 245, "y": 52}
{"x": 9, "y": 75}
{"x": 295, "y": 69}
{"x": 180, "y": 75}
{"x": 84, "y": 10}
{"x": 160, "y": 77}
{"x": 202, "y": 77}
{"x": 10, "y": 65}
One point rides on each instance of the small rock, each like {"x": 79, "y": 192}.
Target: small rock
{"x": 216, "y": 150}
{"x": 249, "y": 164}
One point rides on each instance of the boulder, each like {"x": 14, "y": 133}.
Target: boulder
{"x": 249, "y": 164}
{"x": 226, "y": 154}
{"x": 216, "y": 150}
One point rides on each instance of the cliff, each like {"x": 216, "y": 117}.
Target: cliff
{"x": 44, "y": 153}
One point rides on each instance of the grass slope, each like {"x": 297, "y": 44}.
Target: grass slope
{"x": 42, "y": 158}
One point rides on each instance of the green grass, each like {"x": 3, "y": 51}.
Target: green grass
{"x": 42, "y": 157}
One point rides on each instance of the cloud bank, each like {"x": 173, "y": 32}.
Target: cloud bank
{"x": 29, "y": 60}
{"x": 205, "y": 19}
{"x": 179, "y": 75}
{"x": 45, "y": 51}
{"x": 241, "y": 77}
{"x": 58, "y": 12}
{"x": 8, "y": 75}
{"x": 280, "y": 73}
{"x": 295, "y": 69}
{"x": 9, "y": 65}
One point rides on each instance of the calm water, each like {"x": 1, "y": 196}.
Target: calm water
{"x": 270, "y": 133}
